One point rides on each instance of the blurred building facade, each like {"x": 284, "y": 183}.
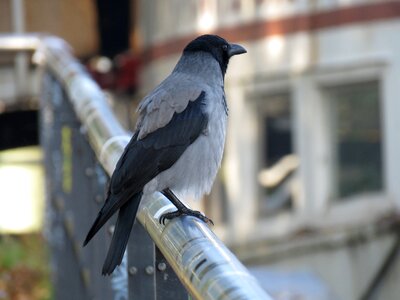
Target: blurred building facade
{"x": 309, "y": 178}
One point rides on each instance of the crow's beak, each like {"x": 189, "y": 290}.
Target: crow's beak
{"x": 235, "y": 49}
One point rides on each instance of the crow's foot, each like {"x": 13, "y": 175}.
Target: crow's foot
{"x": 187, "y": 212}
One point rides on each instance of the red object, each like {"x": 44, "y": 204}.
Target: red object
{"x": 122, "y": 77}
{"x": 127, "y": 73}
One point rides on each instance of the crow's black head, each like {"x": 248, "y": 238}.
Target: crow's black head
{"x": 219, "y": 48}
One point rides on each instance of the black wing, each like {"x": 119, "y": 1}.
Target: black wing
{"x": 159, "y": 150}
{"x": 144, "y": 159}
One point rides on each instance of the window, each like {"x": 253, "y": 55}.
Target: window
{"x": 356, "y": 139}
{"x": 276, "y": 160}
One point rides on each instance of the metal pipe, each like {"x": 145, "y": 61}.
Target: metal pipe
{"x": 201, "y": 261}
{"x": 21, "y": 59}
{"x": 19, "y": 42}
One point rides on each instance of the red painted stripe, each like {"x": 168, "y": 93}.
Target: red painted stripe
{"x": 292, "y": 24}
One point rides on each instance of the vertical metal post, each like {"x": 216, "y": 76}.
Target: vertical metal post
{"x": 21, "y": 59}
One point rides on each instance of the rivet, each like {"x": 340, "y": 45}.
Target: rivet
{"x": 59, "y": 203}
{"x": 111, "y": 229}
{"x": 98, "y": 198}
{"x": 132, "y": 270}
{"x": 83, "y": 130}
{"x": 149, "y": 270}
{"x": 89, "y": 172}
{"x": 162, "y": 266}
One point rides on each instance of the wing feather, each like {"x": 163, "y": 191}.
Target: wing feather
{"x": 170, "y": 97}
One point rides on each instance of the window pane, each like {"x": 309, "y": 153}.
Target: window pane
{"x": 277, "y": 164}
{"x": 357, "y": 139}
{"x": 278, "y": 136}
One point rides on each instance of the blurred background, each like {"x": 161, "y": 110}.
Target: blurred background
{"x": 308, "y": 193}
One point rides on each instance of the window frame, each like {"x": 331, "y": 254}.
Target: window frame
{"x": 311, "y": 210}
{"x": 327, "y": 212}
{"x": 329, "y": 94}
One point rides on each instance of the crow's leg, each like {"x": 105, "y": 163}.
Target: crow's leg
{"x": 182, "y": 209}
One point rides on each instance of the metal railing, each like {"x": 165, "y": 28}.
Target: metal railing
{"x": 207, "y": 269}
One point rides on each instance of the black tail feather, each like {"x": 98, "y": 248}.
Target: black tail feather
{"x": 110, "y": 207}
{"x": 123, "y": 227}
{"x": 93, "y": 230}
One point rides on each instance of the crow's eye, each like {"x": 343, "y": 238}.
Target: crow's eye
{"x": 225, "y": 47}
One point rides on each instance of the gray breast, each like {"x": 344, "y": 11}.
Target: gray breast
{"x": 194, "y": 172}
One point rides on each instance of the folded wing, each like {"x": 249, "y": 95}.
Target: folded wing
{"x": 144, "y": 158}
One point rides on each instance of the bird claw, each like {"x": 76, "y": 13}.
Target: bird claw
{"x": 188, "y": 212}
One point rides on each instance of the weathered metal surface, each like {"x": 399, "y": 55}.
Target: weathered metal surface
{"x": 72, "y": 174}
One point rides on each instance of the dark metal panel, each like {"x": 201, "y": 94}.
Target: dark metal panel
{"x": 63, "y": 260}
{"x": 151, "y": 277}
{"x": 75, "y": 185}
{"x": 168, "y": 285}
{"x": 141, "y": 264}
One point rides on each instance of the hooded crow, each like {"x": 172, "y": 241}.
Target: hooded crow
{"x": 177, "y": 145}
